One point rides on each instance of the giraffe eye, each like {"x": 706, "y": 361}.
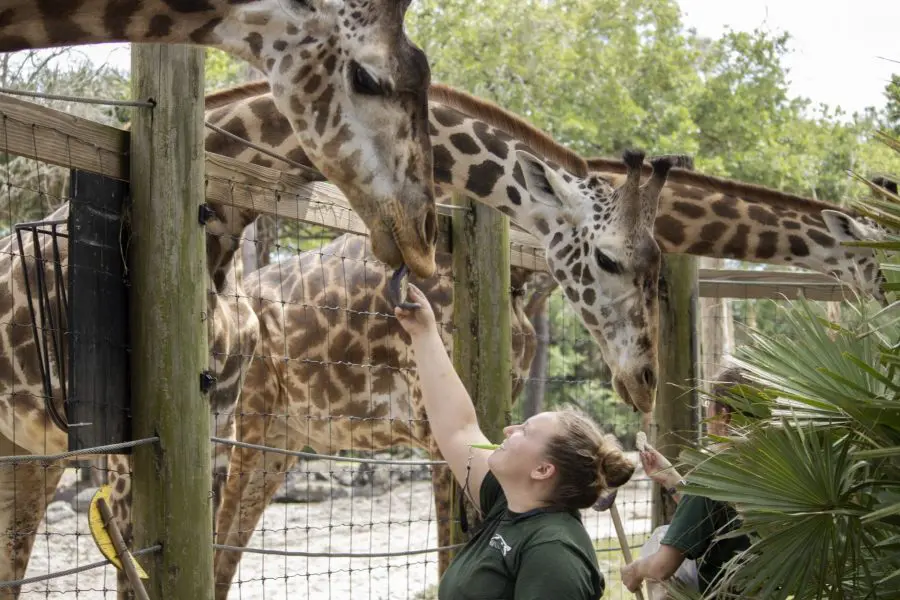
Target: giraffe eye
{"x": 606, "y": 263}
{"x": 363, "y": 83}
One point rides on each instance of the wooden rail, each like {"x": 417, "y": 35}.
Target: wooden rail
{"x": 55, "y": 137}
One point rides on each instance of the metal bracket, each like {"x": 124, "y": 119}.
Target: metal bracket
{"x": 205, "y": 214}
{"x": 207, "y": 379}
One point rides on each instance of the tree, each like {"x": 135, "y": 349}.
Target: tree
{"x": 892, "y": 108}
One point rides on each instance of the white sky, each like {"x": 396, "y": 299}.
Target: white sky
{"x": 835, "y": 45}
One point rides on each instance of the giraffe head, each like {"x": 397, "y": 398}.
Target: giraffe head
{"x": 355, "y": 90}
{"x": 601, "y": 249}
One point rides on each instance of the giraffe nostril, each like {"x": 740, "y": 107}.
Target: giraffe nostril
{"x": 648, "y": 376}
{"x": 430, "y": 228}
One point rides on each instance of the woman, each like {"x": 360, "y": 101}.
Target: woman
{"x": 699, "y": 523}
{"x": 532, "y": 544}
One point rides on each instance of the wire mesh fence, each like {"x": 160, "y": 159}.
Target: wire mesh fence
{"x": 325, "y": 481}
{"x": 48, "y": 477}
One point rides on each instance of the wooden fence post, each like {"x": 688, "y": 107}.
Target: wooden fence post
{"x": 171, "y": 480}
{"x": 481, "y": 336}
{"x": 675, "y": 416}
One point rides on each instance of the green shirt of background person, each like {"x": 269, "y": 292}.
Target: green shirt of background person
{"x": 532, "y": 544}
{"x": 698, "y": 523}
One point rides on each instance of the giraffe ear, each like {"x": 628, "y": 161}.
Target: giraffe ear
{"x": 845, "y": 228}
{"x": 544, "y": 183}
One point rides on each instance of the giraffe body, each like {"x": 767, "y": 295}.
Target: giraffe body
{"x": 334, "y": 371}
{"x": 350, "y": 85}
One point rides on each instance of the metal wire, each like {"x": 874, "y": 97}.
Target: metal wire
{"x": 108, "y": 449}
{"x": 300, "y": 454}
{"x": 108, "y": 101}
{"x": 310, "y": 171}
{"x": 298, "y": 553}
{"x": 72, "y": 571}
{"x": 451, "y": 206}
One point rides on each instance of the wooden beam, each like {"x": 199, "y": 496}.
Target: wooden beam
{"x": 52, "y": 136}
{"x": 776, "y": 285}
{"x": 674, "y": 416}
{"x": 171, "y": 480}
{"x": 55, "y": 137}
{"x": 481, "y": 319}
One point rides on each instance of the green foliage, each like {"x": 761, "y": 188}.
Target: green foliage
{"x": 892, "y": 109}
{"x": 224, "y": 71}
{"x": 814, "y": 470}
{"x": 814, "y": 478}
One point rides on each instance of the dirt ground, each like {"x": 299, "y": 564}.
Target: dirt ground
{"x": 359, "y": 521}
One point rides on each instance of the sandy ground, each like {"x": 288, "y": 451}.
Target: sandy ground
{"x": 396, "y": 521}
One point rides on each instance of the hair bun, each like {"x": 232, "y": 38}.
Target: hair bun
{"x": 615, "y": 467}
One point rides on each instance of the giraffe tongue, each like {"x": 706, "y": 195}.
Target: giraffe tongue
{"x": 397, "y": 289}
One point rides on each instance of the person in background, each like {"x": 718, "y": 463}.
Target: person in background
{"x": 692, "y": 534}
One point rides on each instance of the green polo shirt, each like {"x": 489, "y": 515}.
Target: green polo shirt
{"x": 539, "y": 555}
{"x": 696, "y": 521}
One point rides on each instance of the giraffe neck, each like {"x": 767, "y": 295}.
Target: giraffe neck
{"x": 472, "y": 157}
{"x": 215, "y": 23}
{"x": 749, "y": 223}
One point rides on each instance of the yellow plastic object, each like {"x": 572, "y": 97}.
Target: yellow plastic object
{"x": 485, "y": 446}
{"x": 101, "y": 536}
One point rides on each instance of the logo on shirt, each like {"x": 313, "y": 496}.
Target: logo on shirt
{"x": 500, "y": 544}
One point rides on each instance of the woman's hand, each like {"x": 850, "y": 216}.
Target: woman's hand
{"x": 658, "y": 468}
{"x": 419, "y": 321}
{"x": 631, "y": 579}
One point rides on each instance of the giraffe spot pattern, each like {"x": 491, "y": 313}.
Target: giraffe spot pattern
{"x": 495, "y": 142}
{"x": 821, "y": 238}
{"x": 670, "y": 229}
{"x": 737, "y": 245}
{"x": 762, "y": 216}
{"x": 767, "y": 245}
{"x": 688, "y": 209}
{"x": 464, "y": 143}
{"x": 726, "y": 207}
{"x": 798, "y": 246}
{"x": 483, "y": 177}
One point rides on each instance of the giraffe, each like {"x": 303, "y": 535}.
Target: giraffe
{"x": 233, "y": 331}
{"x": 345, "y": 77}
{"x": 703, "y": 215}
{"x": 347, "y": 385}
{"x": 471, "y": 138}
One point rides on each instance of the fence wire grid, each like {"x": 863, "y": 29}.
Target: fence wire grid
{"x": 306, "y": 358}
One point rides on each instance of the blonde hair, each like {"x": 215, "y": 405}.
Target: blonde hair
{"x": 587, "y": 461}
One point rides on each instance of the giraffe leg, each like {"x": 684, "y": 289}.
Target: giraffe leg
{"x": 252, "y": 481}
{"x": 119, "y": 469}
{"x": 224, "y": 427}
{"x": 25, "y": 491}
